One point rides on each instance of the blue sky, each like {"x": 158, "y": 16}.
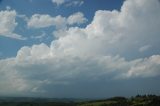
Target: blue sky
{"x": 30, "y": 7}
{"x": 79, "y": 48}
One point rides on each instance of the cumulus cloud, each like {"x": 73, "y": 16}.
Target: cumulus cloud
{"x": 8, "y": 24}
{"x": 92, "y": 54}
{"x": 43, "y": 20}
{"x": 77, "y": 18}
{"x": 147, "y": 67}
{"x": 37, "y": 67}
{"x": 39, "y": 21}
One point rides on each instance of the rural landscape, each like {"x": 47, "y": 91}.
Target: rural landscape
{"x": 139, "y": 100}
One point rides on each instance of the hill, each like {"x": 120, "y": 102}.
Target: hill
{"x": 145, "y": 100}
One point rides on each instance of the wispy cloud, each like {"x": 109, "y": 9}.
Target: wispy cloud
{"x": 58, "y": 2}
{"x": 75, "y": 3}
{"x": 68, "y": 2}
{"x": 144, "y": 48}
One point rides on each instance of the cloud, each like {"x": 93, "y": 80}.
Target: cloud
{"x": 91, "y": 55}
{"x": 8, "y": 24}
{"x": 36, "y": 67}
{"x": 75, "y": 3}
{"x": 68, "y": 2}
{"x": 58, "y": 2}
{"x": 40, "y": 37}
{"x": 8, "y": 7}
{"x": 77, "y": 18}
{"x": 40, "y": 21}
{"x": 144, "y": 48}
{"x": 44, "y": 20}
{"x": 147, "y": 67}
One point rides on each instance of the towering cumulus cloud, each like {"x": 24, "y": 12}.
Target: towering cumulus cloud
{"x": 105, "y": 51}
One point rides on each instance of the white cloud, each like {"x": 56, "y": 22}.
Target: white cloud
{"x": 59, "y": 21}
{"x": 114, "y": 32}
{"x": 95, "y": 53}
{"x": 147, "y": 67}
{"x": 68, "y": 2}
{"x": 75, "y": 3}
{"x": 40, "y": 21}
{"x": 8, "y": 24}
{"x": 58, "y": 2}
{"x": 77, "y": 18}
{"x": 59, "y": 33}
{"x": 44, "y": 20}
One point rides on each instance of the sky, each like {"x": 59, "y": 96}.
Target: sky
{"x": 79, "y": 48}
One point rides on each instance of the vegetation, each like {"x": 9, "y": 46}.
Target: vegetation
{"x": 145, "y": 100}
